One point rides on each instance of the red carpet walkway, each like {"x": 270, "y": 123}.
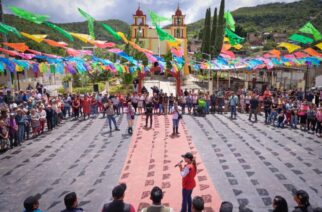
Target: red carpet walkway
{"x": 150, "y": 162}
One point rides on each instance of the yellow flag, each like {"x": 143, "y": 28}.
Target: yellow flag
{"x": 83, "y": 37}
{"x": 37, "y": 38}
{"x": 19, "y": 69}
{"x": 175, "y": 44}
{"x": 238, "y": 46}
{"x": 290, "y": 47}
{"x": 123, "y": 37}
{"x": 319, "y": 45}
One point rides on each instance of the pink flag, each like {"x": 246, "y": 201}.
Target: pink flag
{"x": 289, "y": 56}
{"x": 34, "y": 52}
{"x": 26, "y": 56}
{"x": 177, "y": 52}
{"x": 227, "y": 54}
{"x": 151, "y": 58}
{"x": 51, "y": 55}
{"x": 103, "y": 44}
{"x": 9, "y": 52}
{"x": 115, "y": 50}
{"x": 300, "y": 55}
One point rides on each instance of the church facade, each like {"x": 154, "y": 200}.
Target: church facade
{"x": 148, "y": 36}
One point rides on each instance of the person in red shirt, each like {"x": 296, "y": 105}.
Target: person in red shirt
{"x": 94, "y": 106}
{"x": 188, "y": 173}
{"x": 86, "y": 106}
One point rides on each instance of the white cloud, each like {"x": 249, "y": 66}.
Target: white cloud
{"x": 66, "y": 10}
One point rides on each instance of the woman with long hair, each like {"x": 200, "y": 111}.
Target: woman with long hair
{"x": 280, "y": 204}
{"x": 188, "y": 173}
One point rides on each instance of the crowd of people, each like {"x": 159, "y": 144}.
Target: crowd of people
{"x": 188, "y": 172}
{"x": 301, "y": 197}
{"x": 27, "y": 114}
{"x": 293, "y": 108}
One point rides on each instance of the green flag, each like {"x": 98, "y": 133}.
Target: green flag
{"x": 60, "y": 30}
{"x": 300, "y": 39}
{"x": 90, "y": 21}
{"x": 52, "y": 68}
{"x": 233, "y": 38}
{"x": 230, "y": 22}
{"x": 156, "y": 19}
{"x": 163, "y": 35}
{"x": 5, "y": 29}
{"x": 111, "y": 31}
{"x": 310, "y": 29}
{"x": 37, "y": 19}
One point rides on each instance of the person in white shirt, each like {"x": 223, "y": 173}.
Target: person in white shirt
{"x": 42, "y": 118}
{"x": 175, "y": 120}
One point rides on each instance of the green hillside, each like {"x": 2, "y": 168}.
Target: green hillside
{"x": 275, "y": 17}
{"x": 78, "y": 27}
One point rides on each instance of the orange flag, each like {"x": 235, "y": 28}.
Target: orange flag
{"x": 226, "y": 46}
{"x": 22, "y": 47}
{"x": 55, "y": 43}
{"x": 312, "y": 52}
{"x": 275, "y": 52}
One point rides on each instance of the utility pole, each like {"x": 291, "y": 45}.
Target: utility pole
{"x": 4, "y": 39}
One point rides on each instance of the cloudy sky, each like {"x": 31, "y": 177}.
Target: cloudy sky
{"x": 66, "y": 10}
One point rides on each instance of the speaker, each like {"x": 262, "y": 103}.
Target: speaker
{"x": 95, "y": 88}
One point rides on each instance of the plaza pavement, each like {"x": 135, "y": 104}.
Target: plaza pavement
{"x": 245, "y": 163}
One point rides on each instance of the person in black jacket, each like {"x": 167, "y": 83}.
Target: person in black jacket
{"x": 118, "y": 203}
{"x": 303, "y": 202}
{"x": 267, "y": 108}
{"x": 71, "y": 203}
{"x": 280, "y": 204}
{"x": 253, "y": 108}
{"x": 148, "y": 112}
{"x": 49, "y": 117}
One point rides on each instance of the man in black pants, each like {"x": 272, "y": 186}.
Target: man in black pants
{"x": 267, "y": 108}
{"x": 148, "y": 113}
{"x": 49, "y": 117}
{"x": 253, "y": 108}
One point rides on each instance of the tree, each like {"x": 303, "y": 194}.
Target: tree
{"x": 168, "y": 59}
{"x": 206, "y": 35}
{"x": 240, "y": 31}
{"x": 220, "y": 29}
{"x": 213, "y": 32}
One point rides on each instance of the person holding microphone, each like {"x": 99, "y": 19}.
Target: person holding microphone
{"x": 188, "y": 173}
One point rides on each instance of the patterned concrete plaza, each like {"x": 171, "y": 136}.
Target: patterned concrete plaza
{"x": 238, "y": 161}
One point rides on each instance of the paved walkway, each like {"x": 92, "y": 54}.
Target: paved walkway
{"x": 150, "y": 162}
{"x": 251, "y": 163}
{"x": 78, "y": 156}
{"x": 245, "y": 163}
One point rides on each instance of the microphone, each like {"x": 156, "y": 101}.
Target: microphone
{"x": 178, "y": 163}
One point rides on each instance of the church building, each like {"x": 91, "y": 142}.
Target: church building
{"x": 148, "y": 36}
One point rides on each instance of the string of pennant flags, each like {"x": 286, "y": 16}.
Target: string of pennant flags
{"x": 75, "y": 62}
